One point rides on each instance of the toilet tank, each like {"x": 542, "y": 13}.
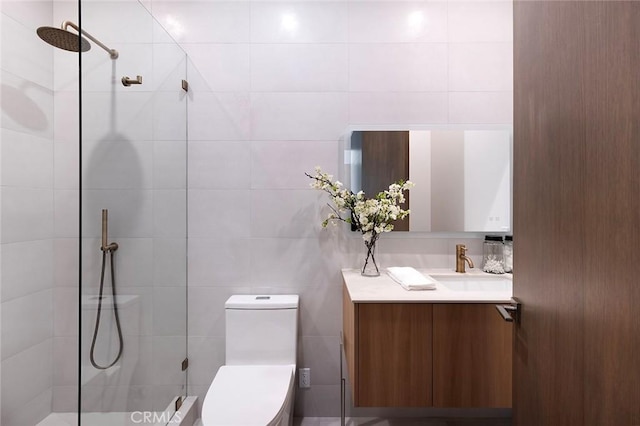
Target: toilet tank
{"x": 261, "y": 330}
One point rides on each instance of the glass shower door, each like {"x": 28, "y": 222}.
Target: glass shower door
{"x": 133, "y": 218}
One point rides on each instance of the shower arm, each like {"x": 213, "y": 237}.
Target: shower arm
{"x": 105, "y": 245}
{"x": 113, "y": 53}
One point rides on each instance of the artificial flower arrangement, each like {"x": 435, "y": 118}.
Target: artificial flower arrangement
{"x": 369, "y": 216}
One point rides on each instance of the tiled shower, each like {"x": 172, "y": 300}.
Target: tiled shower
{"x": 273, "y": 88}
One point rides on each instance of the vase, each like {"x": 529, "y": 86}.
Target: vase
{"x": 370, "y": 267}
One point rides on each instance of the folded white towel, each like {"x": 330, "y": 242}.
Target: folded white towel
{"x": 410, "y": 279}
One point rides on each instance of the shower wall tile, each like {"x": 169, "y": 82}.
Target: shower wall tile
{"x": 65, "y": 213}
{"x": 130, "y": 213}
{"x": 65, "y": 358}
{"x": 31, "y": 109}
{"x": 298, "y": 67}
{"x": 29, "y": 13}
{"x": 397, "y": 22}
{"x": 65, "y": 315}
{"x": 135, "y": 257}
{"x": 26, "y": 385}
{"x": 117, "y": 163}
{"x": 205, "y": 320}
{"x": 27, "y": 160}
{"x": 219, "y": 165}
{"x": 298, "y": 116}
{"x": 169, "y": 213}
{"x": 31, "y": 322}
{"x": 66, "y": 118}
{"x": 205, "y": 22}
{"x": 27, "y": 268}
{"x": 169, "y": 262}
{"x": 100, "y": 18}
{"x": 66, "y": 164}
{"x": 169, "y": 116}
{"x": 24, "y": 54}
{"x": 168, "y": 355}
{"x": 283, "y": 164}
{"x": 226, "y": 66}
{"x": 169, "y": 165}
{"x": 27, "y": 214}
{"x": 299, "y": 22}
{"x": 169, "y": 67}
{"x": 132, "y": 120}
{"x": 65, "y": 262}
{"x": 219, "y": 116}
{"x": 169, "y": 314}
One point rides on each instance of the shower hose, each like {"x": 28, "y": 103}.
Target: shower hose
{"x": 99, "y": 312}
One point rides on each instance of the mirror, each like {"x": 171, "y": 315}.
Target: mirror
{"x": 462, "y": 177}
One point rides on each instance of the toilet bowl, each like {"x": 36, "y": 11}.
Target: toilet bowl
{"x": 255, "y": 387}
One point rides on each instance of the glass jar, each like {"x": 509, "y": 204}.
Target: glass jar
{"x": 508, "y": 253}
{"x": 492, "y": 255}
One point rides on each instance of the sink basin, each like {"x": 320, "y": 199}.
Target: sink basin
{"x": 483, "y": 283}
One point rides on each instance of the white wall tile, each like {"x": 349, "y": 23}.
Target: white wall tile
{"x": 169, "y": 314}
{"x": 117, "y": 163}
{"x": 481, "y": 107}
{"x": 398, "y": 21}
{"x": 27, "y": 214}
{"x": 133, "y": 260}
{"x": 206, "y": 355}
{"x": 480, "y": 66}
{"x": 66, "y": 213}
{"x": 65, "y": 262}
{"x": 32, "y": 107}
{"x": 66, "y": 117}
{"x": 27, "y": 160}
{"x": 170, "y": 261}
{"x": 388, "y": 108}
{"x": 169, "y": 66}
{"x": 205, "y": 22}
{"x": 65, "y": 358}
{"x": 206, "y": 309}
{"x": 219, "y": 213}
{"x": 65, "y": 312}
{"x": 29, "y": 13}
{"x": 170, "y": 213}
{"x": 485, "y": 21}
{"x": 299, "y": 67}
{"x": 226, "y": 66}
{"x": 219, "y": 116}
{"x": 168, "y": 353}
{"x": 292, "y": 213}
{"x": 299, "y": 22}
{"x": 31, "y": 319}
{"x": 170, "y": 164}
{"x": 219, "y": 165}
{"x": 27, "y": 268}
{"x": 25, "y": 377}
{"x": 24, "y": 54}
{"x": 283, "y": 164}
{"x": 320, "y": 355}
{"x": 101, "y": 19}
{"x": 321, "y": 307}
{"x": 298, "y": 116}
{"x": 219, "y": 262}
{"x": 292, "y": 262}
{"x": 412, "y": 67}
{"x": 131, "y": 120}
{"x": 65, "y": 165}
{"x": 130, "y": 213}
{"x": 169, "y": 116}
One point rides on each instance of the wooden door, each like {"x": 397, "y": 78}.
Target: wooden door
{"x": 577, "y": 212}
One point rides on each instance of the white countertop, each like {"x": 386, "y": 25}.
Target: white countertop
{"x": 383, "y": 289}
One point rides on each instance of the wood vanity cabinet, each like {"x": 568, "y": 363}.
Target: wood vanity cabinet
{"x": 427, "y": 354}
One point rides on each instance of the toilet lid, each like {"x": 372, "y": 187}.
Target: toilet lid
{"x": 247, "y": 395}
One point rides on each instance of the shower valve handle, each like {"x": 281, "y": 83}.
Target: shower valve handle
{"x": 126, "y": 81}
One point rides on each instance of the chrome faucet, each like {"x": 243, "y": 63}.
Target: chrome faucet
{"x": 461, "y": 257}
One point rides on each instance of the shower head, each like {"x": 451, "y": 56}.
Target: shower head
{"x": 64, "y": 39}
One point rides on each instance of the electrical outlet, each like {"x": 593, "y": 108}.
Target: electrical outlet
{"x": 304, "y": 376}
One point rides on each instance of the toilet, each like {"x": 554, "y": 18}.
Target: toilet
{"x": 255, "y": 387}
